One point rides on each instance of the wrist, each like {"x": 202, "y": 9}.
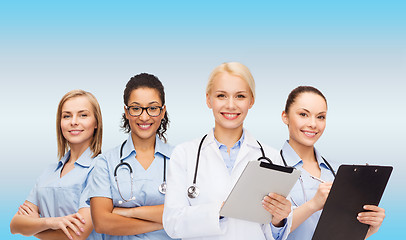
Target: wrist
{"x": 46, "y": 222}
{"x": 135, "y": 212}
{"x": 313, "y": 206}
{"x": 278, "y": 223}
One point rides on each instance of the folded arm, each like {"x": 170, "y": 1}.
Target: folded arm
{"x": 28, "y": 223}
{"x": 149, "y": 213}
{"x": 106, "y": 221}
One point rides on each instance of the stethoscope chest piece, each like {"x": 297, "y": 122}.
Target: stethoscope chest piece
{"x": 193, "y": 191}
{"x": 162, "y": 188}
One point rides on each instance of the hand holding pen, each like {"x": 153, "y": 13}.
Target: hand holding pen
{"x": 317, "y": 179}
{"x": 321, "y": 195}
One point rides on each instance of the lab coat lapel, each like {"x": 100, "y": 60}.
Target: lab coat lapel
{"x": 246, "y": 149}
{"x": 211, "y": 145}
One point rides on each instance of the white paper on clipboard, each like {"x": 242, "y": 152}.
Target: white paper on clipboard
{"x": 256, "y": 181}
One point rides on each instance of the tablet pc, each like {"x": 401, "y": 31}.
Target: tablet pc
{"x": 353, "y": 187}
{"x": 256, "y": 181}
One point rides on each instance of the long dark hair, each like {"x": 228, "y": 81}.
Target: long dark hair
{"x": 147, "y": 81}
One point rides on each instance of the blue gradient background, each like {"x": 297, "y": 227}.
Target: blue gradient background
{"x": 354, "y": 51}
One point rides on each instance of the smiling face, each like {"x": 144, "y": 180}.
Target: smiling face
{"x": 230, "y": 98}
{"x": 306, "y": 119}
{"x": 144, "y": 126}
{"x": 78, "y": 122}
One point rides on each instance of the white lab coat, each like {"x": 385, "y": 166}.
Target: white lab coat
{"x": 199, "y": 218}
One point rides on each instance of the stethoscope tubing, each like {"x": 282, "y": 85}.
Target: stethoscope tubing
{"x": 300, "y": 177}
{"x": 197, "y": 159}
{"x": 161, "y": 188}
{"x": 325, "y": 161}
{"x": 193, "y": 191}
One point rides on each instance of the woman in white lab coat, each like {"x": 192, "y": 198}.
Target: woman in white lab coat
{"x": 225, "y": 151}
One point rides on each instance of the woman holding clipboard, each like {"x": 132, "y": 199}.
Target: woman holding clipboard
{"x": 202, "y": 172}
{"x": 305, "y": 115}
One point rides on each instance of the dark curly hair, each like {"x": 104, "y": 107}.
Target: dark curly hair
{"x": 148, "y": 81}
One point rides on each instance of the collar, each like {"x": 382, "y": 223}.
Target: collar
{"x": 160, "y": 147}
{"x": 292, "y": 159}
{"x": 247, "y": 138}
{"x": 237, "y": 144}
{"x": 84, "y": 160}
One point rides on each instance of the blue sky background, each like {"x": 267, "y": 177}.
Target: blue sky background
{"x": 353, "y": 51}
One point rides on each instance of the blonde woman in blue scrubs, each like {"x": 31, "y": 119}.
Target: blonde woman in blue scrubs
{"x": 127, "y": 186}
{"x": 56, "y": 207}
{"x": 305, "y": 115}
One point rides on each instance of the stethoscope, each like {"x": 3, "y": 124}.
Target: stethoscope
{"x": 301, "y": 179}
{"x": 161, "y": 188}
{"x": 193, "y": 191}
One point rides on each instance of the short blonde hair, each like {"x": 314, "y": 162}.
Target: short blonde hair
{"x": 96, "y": 144}
{"x": 236, "y": 69}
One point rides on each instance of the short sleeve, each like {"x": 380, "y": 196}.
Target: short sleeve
{"x": 99, "y": 184}
{"x": 33, "y": 196}
{"x": 85, "y": 193}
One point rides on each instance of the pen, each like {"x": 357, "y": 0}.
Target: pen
{"x": 317, "y": 179}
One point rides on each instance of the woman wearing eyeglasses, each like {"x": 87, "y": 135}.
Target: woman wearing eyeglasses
{"x": 305, "y": 115}
{"x": 56, "y": 207}
{"x": 194, "y": 198}
{"x": 127, "y": 186}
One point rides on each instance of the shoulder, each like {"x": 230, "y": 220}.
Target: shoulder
{"x": 327, "y": 161}
{"x": 163, "y": 148}
{"x": 111, "y": 152}
{"x": 108, "y": 157}
{"x": 49, "y": 169}
{"x": 333, "y": 163}
{"x": 270, "y": 152}
{"x": 47, "y": 174}
{"x": 187, "y": 145}
{"x": 273, "y": 154}
{"x": 169, "y": 148}
{"x": 185, "y": 150}
{"x": 52, "y": 166}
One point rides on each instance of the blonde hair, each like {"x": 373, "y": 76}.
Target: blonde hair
{"x": 96, "y": 143}
{"x": 236, "y": 69}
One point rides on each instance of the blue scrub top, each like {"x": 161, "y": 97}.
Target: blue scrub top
{"x": 57, "y": 197}
{"x": 297, "y": 197}
{"x": 145, "y": 185}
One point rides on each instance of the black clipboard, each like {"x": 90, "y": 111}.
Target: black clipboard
{"x": 353, "y": 187}
{"x": 256, "y": 181}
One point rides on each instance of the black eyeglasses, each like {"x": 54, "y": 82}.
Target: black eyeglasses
{"x": 152, "y": 111}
